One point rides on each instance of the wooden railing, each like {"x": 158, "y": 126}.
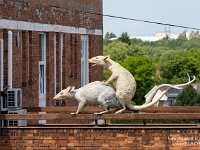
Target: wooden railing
{"x": 63, "y": 113}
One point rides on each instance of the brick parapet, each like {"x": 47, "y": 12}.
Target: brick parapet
{"x": 100, "y": 138}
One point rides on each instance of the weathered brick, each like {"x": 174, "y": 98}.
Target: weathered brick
{"x": 130, "y": 142}
{"x": 26, "y": 55}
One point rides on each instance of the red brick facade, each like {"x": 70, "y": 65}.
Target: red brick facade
{"x": 105, "y": 138}
{"x": 70, "y": 19}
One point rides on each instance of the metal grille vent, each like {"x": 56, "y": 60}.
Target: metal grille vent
{"x": 13, "y": 122}
{"x": 11, "y": 98}
{"x": 14, "y": 98}
{"x": 17, "y": 122}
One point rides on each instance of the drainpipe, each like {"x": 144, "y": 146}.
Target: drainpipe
{"x": 10, "y": 59}
{"x": 1, "y": 73}
{"x": 1, "y": 64}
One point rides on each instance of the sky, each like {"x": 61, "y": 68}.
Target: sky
{"x": 177, "y": 12}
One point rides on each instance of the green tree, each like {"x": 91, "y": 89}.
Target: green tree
{"x": 135, "y": 41}
{"x": 194, "y": 34}
{"x": 125, "y": 38}
{"x": 118, "y": 50}
{"x": 174, "y": 66}
{"x": 188, "y": 97}
{"x": 183, "y": 36}
{"x": 106, "y": 41}
{"x": 193, "y": 42}
{"x": 154, "y": 52}
{"x": 110, "y": 35}
{"x": 171, "y": 59}
{"x": 195, "y": 52}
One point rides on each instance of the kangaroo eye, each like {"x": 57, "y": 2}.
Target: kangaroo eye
{"x": 61, "y": 93}
{"x": 97, "y": 57}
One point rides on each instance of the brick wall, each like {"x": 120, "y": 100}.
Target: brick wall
{"x": 73, "y": 13}
{"x": 95, "y": 50}
{"x": 118, "y": 138}
{"x": 61, "y": 12}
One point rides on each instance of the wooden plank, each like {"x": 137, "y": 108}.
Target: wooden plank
{"x": 171, "y": 109}
{"x": 125, "y": 116}
{"x": 62, "y": 109}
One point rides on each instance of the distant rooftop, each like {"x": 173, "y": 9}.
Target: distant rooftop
{"x": 158, "y": 36}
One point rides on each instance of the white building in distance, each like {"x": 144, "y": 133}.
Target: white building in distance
{"x": 158, "y": 36}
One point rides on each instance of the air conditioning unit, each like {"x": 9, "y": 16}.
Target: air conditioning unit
{"x": 15, "y": 122}
{"x": 14, "y": 98}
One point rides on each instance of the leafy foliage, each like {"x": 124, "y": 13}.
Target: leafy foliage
{"x": 110, "y": 35}
{"x": 188, "y": 97}
{"x": 118, "y": 50}
{"x": 164, "y": 61}
{"x": 176, "y": 64}
{"x": 125, "y": 38}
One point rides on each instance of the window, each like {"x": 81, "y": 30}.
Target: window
{"x": 171, "y": 102}
{"x": 162, "y": 103}
{"x": 42, "y": 74}
{"x": 84, "y": 60}
{"x": 41, "y": 64}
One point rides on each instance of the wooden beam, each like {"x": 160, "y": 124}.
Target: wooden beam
{"x": 173, "y": 109}
{"x": 167, "y": 109}
{"x": 125, "y": 116}
{"x": 62, "y": 109}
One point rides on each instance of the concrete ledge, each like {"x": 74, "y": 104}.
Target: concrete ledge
{"x": 109, "y": 126}
{"x": 125, "y": 116}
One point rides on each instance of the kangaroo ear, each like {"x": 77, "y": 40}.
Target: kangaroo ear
{"x": 71, "y": 88}
{"x": 68, "y": 88}
{"x": 106, "y": 57}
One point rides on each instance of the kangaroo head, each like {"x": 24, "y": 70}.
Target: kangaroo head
{"x": 64, "y": 94}
{"x": 99, "y": 60}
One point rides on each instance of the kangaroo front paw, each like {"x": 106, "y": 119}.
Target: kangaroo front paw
{"x": 104, "y": 82}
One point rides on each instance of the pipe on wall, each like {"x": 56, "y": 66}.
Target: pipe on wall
{"x": 10, "y": 59}
{"x": 1, "y": 64}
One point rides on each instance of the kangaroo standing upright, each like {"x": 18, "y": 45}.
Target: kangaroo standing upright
{"x": 125, "y": 84}
{"x": 123, "y": 80}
